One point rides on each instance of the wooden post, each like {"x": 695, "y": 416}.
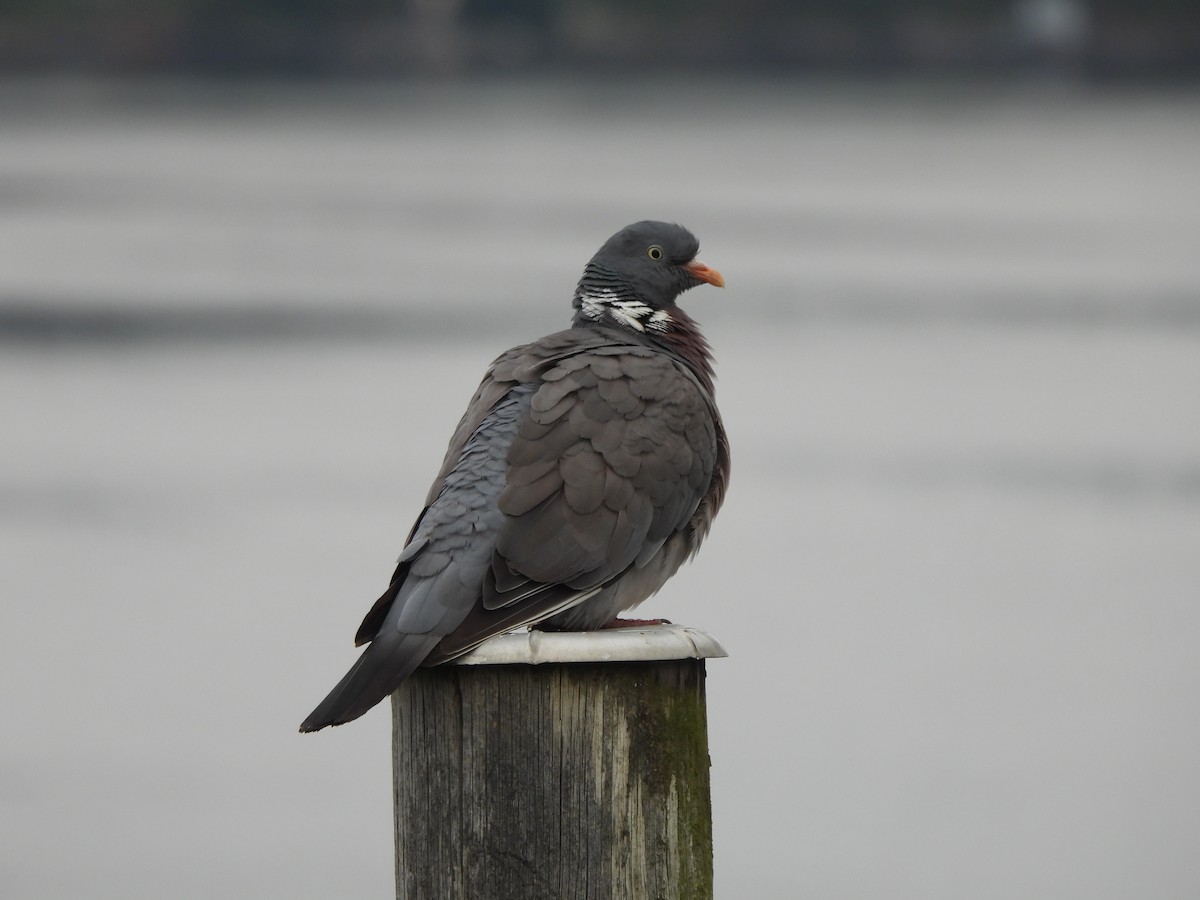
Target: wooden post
{"x": 560, "y": 766}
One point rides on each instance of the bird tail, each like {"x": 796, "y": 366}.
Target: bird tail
{"x": 386, "y": 662}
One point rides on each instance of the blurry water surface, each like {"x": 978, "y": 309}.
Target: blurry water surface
{"x": 958, "y": 571}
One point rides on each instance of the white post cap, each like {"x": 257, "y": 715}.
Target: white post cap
{"x": 640, "y": 643}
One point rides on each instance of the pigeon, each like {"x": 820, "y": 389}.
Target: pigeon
{"x": 587, "y": 468}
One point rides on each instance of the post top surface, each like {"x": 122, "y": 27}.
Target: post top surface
{"x": 643, "y": 643}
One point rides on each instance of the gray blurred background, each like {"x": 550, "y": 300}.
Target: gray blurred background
{"x": 254, "y": 258}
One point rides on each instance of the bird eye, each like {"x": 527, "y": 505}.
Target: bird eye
{"x": 655, "y": 252}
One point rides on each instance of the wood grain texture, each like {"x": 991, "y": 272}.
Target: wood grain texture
{"x": 553, "y": 782}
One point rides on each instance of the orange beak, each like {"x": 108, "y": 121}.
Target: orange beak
{"x": 704, "y": 273}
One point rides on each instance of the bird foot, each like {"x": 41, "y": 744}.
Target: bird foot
{"x": 634, "y": 623}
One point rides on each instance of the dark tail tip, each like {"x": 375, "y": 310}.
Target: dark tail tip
{"x": 337, "y": 709}
{"x": 378, "y": 671}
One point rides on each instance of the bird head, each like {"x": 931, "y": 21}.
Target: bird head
{"x": 635, "y": 278}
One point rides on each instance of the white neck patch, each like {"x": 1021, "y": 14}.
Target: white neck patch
{"x": 635, "y": 314}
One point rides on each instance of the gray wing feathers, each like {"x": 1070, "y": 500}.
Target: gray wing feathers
{"x": 605, "y": 467}
{"x": 594, "y": 492}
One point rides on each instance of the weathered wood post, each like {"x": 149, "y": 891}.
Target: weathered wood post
{"x": 556, "y": 766}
